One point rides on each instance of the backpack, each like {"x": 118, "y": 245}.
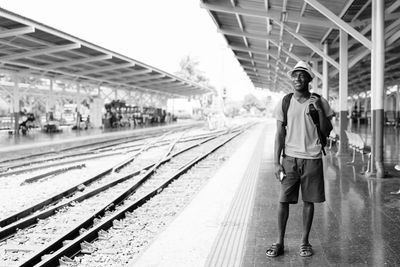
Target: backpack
{"x": 314, "y": 116}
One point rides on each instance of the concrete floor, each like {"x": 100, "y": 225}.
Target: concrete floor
{"x": 358, "y": 225}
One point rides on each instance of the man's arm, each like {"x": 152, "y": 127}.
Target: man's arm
{"x": 279, "y": 144}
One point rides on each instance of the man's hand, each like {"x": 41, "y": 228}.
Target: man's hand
{"x": 316, "y": 102}
{"x": 278, "y": 170}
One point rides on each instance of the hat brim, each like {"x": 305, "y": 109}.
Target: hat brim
{"x": 303, "y": 69}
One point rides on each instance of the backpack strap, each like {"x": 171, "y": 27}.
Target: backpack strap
{"x": 285, "y": 106}
{"x": 315, "y": 118}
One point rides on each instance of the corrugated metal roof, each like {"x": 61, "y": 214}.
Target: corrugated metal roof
{"x": 268, "y": 37}
{"x": 32, "y": 48}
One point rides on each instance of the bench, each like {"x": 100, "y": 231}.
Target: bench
{"x": 357, "y": 144}
{"x": 390, "y": 117}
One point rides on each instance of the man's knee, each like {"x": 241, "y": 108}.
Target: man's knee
{"x": 283, "y": 205}
{"x": 308, "y": 204}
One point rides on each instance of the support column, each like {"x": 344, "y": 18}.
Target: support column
{"x": 343, "y": 91}
{"x": 78, "y": 106}
{"x": 314, "y": 83}
{"x": 358, "y": 111}
{"x": 350, "y": 105}
{"x": 325, "y": 77}
{"x": 397, "y": 105}
{"x": 378, "y": 92}
{"x": 15, "y": 104}
{"x": 50, "y": 103}
{"x": 366, "y": 108}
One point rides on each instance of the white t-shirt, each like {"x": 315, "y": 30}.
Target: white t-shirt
{"x": 301, "y": 133}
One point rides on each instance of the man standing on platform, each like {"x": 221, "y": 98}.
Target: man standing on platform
{"x": 298, "y": 142}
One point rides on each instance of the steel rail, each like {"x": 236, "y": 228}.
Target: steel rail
{"x": 92, "y": 155}
{"x": 52, "y": 173}
{"x": 116, "y": 140}
{"x": 73, "y": 246}
{"x": 55, "y": 198}
{"x": 54, "y": 164}
{"x": 11, "y": 223}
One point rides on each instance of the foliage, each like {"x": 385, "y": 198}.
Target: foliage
{"x": 189, "y": 70}
{"x": 251, "y": 101}
{"x": 232, "y": 109}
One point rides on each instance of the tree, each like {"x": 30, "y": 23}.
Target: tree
{"x": 250, "y": 101}
{"x": 232, "y": 109}
{"x": 189, "y": 70}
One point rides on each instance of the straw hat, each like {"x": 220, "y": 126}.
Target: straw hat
{"x": 301, "y": 65}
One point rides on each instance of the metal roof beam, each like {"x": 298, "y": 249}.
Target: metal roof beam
{"x": 272, "y": 14}
{"x": 365, "y": 52}
{"x": 176, "y": 86}
{"x": 156, "y": 76}
{"x": 17, "y": 31}
{"x": 186, "y": 89}
{"x": 78, "y": 61}
{"x": 340, "y": 23}
{"x": 290, "y": 54}
{"x": 246, "y": 49}
{"x": 48, "y": 50}
{"x": 266, "y": 71}
{"x": 264, "y": 37}
{"x": 127, "y": 74}
{"x": 107, "y": 68}
{"x": 265, "y": 77}
{"x": 240, "y": 23}
{"x": 84, "y": 78}
{"x": 312, "y": 47}
{"x": 256, "y": 61}
{"x": 183, "y": 87}
{"x": 344, "y": 10}
{"x": 264, "y": 52}
{"x": 169, "y": 80}
{"x": 269, "y": 70}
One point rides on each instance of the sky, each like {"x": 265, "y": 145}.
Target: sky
{"x": 156, "y": 32}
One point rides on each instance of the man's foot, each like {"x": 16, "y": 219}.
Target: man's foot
{"x": 275, "y": 250}
{"x": 305, "y": 250}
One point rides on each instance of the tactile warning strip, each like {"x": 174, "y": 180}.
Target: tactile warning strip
{"x": 228, "y": 247}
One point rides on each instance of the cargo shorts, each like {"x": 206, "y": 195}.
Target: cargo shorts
{"x": 306, "y": 174}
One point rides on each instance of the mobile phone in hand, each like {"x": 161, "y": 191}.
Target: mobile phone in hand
{"x": 282, "y": 176}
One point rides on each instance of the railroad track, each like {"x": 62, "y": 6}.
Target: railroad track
{"x": 113, "y": 178}
{"x": 90, "y": 154}
{"x": 72, "y": 151}
{"x": 102, "y": 176}
{"x": 126, "y": 193}
{"x": 67, "y": 180}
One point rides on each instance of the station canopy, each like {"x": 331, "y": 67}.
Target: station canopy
{"x": 31, "y": 48}
{"x": 268, "y": 37}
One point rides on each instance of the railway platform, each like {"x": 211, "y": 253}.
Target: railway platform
{"x": 37, "y": 141}
{"x": 232, "y": 220}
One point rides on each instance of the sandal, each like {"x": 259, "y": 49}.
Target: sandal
{"x": 275, "y": 250}
{"x": 306, "y": 250}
